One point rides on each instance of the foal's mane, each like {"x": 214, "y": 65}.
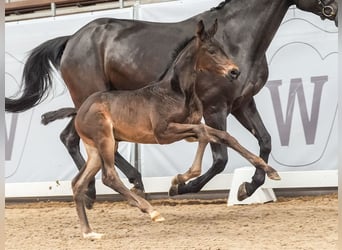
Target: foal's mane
{"x": 175, "y": 53}
{"x": 221, "y": 5}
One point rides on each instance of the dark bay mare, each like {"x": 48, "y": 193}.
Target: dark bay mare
{"x": 108, "y": 117}
{"x": 115, "y": 54}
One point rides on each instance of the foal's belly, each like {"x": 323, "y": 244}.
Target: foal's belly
{"x": 134, "y": 133}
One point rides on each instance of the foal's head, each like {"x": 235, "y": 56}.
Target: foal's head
{"x": 211, "y": 56}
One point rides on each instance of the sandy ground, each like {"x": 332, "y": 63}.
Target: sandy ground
{"x": 290, "y": 223}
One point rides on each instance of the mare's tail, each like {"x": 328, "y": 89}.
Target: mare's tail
{"x": 37, "y": 74}
{"x": 57, "y": 114}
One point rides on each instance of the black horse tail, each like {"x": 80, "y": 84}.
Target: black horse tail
{"x": 57, "y": 114}
{"x": 37, "y": 78}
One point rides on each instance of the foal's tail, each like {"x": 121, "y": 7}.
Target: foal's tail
{"x": 57, "y": 114}
{"x": 37, "y": 74}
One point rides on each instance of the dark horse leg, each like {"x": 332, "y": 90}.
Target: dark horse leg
{"x": 217, "y": 120}
{"x": 249, "y": 117}
{"x": 71, "y": 140}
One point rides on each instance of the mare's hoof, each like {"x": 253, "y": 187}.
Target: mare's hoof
{"x": 273, "y": 174}
{"x": 156, "y": 216}
{"x": 242, "y": 192}
{"x": 173, "y": 190}
{"x": 88, "y": 202}
{"x": 92, "y": 236}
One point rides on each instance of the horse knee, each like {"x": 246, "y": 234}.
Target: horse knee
{"x": 106, "y": 180}
{"x": 109, "y": 180}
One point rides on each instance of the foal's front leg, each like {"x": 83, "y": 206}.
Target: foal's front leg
{"x": 176, "y": 132}
{"x": 194, "y": 171}
{"x": 205, "y": 133}
{"x": 225, "y": 138}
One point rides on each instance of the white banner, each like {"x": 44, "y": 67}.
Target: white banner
{"x": 298, "y": 104}
{"x": 34, "y": 152}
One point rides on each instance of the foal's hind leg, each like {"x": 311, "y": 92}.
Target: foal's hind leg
{"x": 71, "y": 140}
{"x": 111, "y": 178}
{"x": 79, "y": 185}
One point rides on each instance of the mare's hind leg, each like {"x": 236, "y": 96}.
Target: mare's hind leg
{"x": 79, "y": 186}
{"x": 111, "y": 178}
{"x": 71, "y": 140}
{"x": 249, "y": 117}
{"x": 131, "y": 173}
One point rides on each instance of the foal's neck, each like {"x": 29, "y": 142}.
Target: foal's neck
{"x": 182, "y": 75}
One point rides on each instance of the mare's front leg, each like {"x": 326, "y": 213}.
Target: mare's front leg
{"x": 71, "y": 141}
{"x": 249, "y": 117}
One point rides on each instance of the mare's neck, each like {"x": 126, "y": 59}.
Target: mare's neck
{"x": 250, "y": 25}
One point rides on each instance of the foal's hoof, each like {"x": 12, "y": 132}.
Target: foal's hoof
{"x": 156, "y": 216}
{"x": 173, "y": 190}
{"x": 242, "y": 192}
{"x": 88, "y": 202}
{"x": 273, "y": 174}
{"x": 92, "y": 236}
{"x": 177, "y": 180}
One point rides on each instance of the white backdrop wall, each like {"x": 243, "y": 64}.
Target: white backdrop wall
{"x": 298, "y": 106}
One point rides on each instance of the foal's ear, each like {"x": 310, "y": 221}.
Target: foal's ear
{"x": 200, "y": 30}
{"x": 212, "y": 31}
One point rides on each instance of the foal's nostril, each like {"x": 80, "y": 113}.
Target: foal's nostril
{"x": 234, "y": 73}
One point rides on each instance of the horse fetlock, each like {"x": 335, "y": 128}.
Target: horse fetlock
{"x": 178, "y": 179}
{"x": 138, "y": 192}
{"x": 92, "y": 236}
{"x": 156, "y": 216}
